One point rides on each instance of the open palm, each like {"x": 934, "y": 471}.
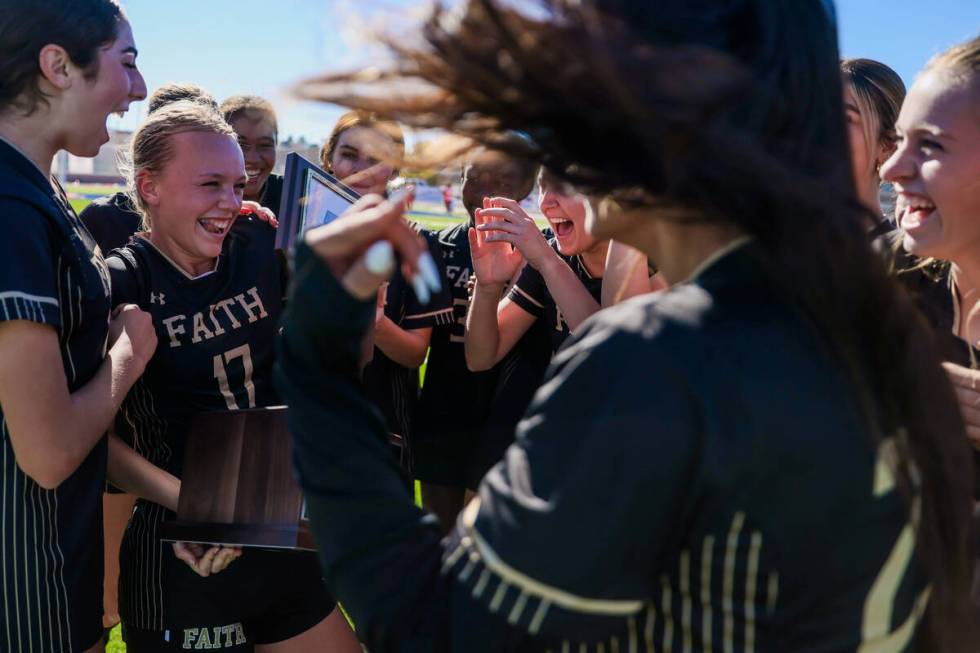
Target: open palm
{"x": 493, "y": 263}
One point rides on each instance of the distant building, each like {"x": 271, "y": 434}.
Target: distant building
{"x": 103, "y": 168}
{"x": 301, "y": 146}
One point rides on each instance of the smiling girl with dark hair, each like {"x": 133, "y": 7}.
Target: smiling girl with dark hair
{"x": 65, "y": 65}
{"x": 766, "y": 456}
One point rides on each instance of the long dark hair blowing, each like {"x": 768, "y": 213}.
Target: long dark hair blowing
{"x": 81, "y": 27}
{"x": 724, "y": 111}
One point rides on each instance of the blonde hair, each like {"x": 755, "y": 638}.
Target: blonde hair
{"x": 151, "y": 149}
{"x": 963, "y": 60}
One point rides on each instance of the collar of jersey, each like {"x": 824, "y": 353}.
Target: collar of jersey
{"x": 143, "y": 237}
{"x": 718, "y": 255}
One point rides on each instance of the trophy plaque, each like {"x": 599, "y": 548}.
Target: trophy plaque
{"x": 238, "y": 486}
{"x": 311, "y": 197}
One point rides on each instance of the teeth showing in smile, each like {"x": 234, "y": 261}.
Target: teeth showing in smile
{"x": 920, "y": 205}
{"x": 216, "y": 226}
{"x": 252, "y": 173}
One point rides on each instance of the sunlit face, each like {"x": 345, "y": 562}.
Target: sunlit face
{"x": 90, "y": 101}
{"x": 565, "y": 210}
{"x": 358, "y": 159}
{"x": 196, "y": 197}
{"x": 936, "y": 167}
{"x": 492, "y": 174}
{"x": 257, "y": 138}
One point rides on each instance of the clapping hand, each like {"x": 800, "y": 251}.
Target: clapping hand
{"x": 503, "y": 220}
{"x": 495, "y": 261}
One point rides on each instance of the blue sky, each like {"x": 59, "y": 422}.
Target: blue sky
{"x": 261, "y": 46}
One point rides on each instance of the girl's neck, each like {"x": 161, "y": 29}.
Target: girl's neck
{"x": 32, "y": 137}
{"x": 594, "y": 258}
{"x": 192, "y": 266}
{"x": 258, "y": 195}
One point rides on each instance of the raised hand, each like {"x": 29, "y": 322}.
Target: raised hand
{"x": 261, "y": 212}
{"x": 504, "y": 221}
{"x": 494, "y": 263}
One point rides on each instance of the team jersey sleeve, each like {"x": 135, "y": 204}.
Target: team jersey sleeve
{"x": 530, "y": 292}
{"x": 124, "y": 279}
{"x": 439, "y": 310}
{"x": 28, "y": 269}
{"x": 573, "y": 524}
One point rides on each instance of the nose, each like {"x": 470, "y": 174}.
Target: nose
{"x": 137, "y": 87}
{"x": 231, "y": 200}
{"x": 251, "y": 155}
{"x": 547, "y": 199}
{"x": 900, "y": 165}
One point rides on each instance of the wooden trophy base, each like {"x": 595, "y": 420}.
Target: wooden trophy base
{"x": 243, "y": 535}
{"x": 238, "y": 486}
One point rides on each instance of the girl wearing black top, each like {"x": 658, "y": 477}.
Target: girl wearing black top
{"x": 767, "y": 456}
{"x": 254, "y": 121}
{"x": 64, "y": 67}
{"x": 215, "y": 293}
{"x": 559, "y": 285}
{"x": 361, "y": 151}
{"x": 935, "y": 171}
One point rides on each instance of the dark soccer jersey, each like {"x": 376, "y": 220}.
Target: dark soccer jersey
{"x": 934, "y": 294}
{"x": 271, "y": 196}
{"x": 216, "y": 335}
{"x": 707, "y": 496}
{"x": 50, "y": 540}
{"x": 524, "y": 367}
{"x": 392, "y": 386}
{"x": 216, "y": 342}
{"x": 531, "y": 293}
{"x": 454, "y": 401}
{"x": 112, "y": 221}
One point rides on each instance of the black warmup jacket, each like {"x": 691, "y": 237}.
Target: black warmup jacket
{"x": 694, "y": 475}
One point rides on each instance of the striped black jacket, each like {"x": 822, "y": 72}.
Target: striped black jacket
{"x": 694, "y": 475}
{"x": 50, "y": 540}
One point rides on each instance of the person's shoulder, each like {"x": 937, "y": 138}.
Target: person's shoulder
{"x": 253, "y": 232}
{"x": 22, "y": 216}
{"x": 109, "y": 206}
{"x": 666, "y": 323}
{"x": 454, "y": 232}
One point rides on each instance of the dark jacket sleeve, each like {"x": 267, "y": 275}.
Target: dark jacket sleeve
{"x": 561, "y": 555}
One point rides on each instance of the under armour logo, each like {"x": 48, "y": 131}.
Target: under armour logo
{"x": 157, "y": 298}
